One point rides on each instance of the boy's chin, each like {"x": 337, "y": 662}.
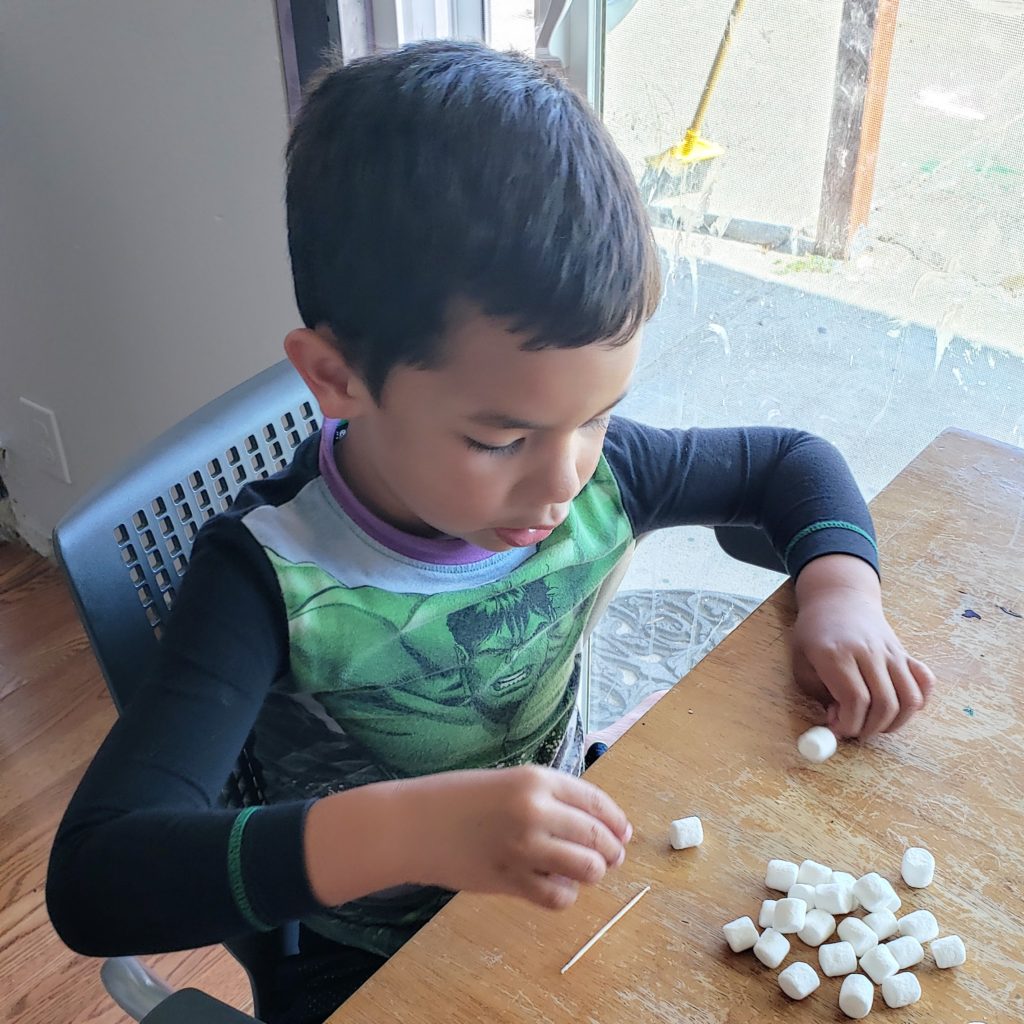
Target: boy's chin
{"x": 487, "y": 540}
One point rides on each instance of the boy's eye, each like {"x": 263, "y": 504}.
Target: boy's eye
{"x": 598, "y": 423}
{"x": 495, "y": 449}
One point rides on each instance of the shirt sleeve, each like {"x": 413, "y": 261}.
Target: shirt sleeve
{"x": 145, "y": 860}
{"x": 792, "y": 487}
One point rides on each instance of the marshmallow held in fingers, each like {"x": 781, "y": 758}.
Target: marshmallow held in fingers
{"x": 949, "y": 951}
{"x": 799, "y": 980}
{"x": 685, "y": 833}
{"x": 856, "y": 996}
{"x": 818, "y": 744}
{"x": 918, "y": 867}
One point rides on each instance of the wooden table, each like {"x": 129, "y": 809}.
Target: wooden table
{"x": 721, "y": 745}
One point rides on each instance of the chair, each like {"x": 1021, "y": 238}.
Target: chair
{"x": 123, "y": 549}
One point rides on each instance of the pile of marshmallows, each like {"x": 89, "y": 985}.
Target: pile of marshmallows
{"x": 815, "y": 894}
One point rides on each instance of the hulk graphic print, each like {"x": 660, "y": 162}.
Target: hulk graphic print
{"x": 387, "y": 684}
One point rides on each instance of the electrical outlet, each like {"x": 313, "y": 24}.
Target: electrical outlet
{"x": 41, "y": 440}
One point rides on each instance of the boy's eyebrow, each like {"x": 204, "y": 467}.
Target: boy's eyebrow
{"x": 501, "y": 421}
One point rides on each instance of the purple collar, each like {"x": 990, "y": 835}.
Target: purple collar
{"x": 440, "y": 550}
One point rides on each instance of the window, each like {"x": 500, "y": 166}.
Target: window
{"x": 785, "y": 303}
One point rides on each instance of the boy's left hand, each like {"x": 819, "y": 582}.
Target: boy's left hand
{"x": 846, "y": 655}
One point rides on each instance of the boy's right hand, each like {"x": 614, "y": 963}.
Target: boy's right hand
{"x": 528, "y": 831}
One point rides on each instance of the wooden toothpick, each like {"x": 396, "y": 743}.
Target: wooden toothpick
{"x": 625, "y": 910}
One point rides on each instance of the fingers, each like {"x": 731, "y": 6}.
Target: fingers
{"x": 586, "y": 797}
{"x": 912, "y": 689}
{"x": 572, "y": 825}
{"x": 871, "y": 695}
{"x": 551, "y": 891}
{"x": 924, "y": 676}
{"x": 569, "y": 860}
{"x": 832, "y": 716}
{"x": 885, "y": 702}
{"x": 844, "y": 682}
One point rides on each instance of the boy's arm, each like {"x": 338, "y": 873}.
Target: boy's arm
{"x": 798, "y": 490}
{"x": 791, "y": 485}
{"x": 145, "y": 860}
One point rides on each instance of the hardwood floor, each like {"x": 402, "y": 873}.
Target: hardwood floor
{"x": 54, "y": 711}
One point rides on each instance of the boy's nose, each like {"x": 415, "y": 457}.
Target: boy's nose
{"x": 558, "y": 481}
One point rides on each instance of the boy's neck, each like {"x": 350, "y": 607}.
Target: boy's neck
{"x": 342, "y": 469}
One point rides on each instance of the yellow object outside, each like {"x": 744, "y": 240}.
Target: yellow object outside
{"x": 691, "y": 150}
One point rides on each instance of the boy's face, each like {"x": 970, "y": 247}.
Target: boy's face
{"x": 495, "y": 442}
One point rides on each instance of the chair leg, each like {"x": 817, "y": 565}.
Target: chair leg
{"x": 133, "y": 986}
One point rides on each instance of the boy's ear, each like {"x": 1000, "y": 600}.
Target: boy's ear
{"x": 338, "y": 389}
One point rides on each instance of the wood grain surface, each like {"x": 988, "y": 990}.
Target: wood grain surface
{"x": 722, "y": 745}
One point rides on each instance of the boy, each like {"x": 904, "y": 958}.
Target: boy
{"x": 394, "y": 620}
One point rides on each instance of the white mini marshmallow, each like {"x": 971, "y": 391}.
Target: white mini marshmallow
{"x": 949, "y": 951}
{"x": 789, "y": 916}
{"x": 833, "y": 897}
{"x": 854, "y": 931}
{"x": 813, "y": 873}
{"x": 921, "y": 924}
{"x": 772, "y": 947}
{"x": 818, "y": 926}
{"x": 878, "y": 964}
{"x": 685, "y": 833}
{"x": 906, "y": 950}
{"x": 767, "y": 915}
{"x": 837, "y": 958}
{"x": 901, "y": 990}
{"x": 856, "y": 996}
{"x": 893, "y": 903}
{"x": 918, "y": 867}
{"x": 883, "y": 923}
{"x": 803, "y": 892}
{"x": 799, "y": 980}
{"x": 817, "y": 744}
{"x": 845, "y": 878}
{"x": 874, "y": 892}
{"x": 740, "y": 934}
{"x": 781, "y": 875}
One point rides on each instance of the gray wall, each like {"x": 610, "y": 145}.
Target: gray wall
{"x": 143, "y": 261}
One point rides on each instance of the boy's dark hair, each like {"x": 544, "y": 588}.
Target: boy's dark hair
{"x": 445, "y": 171}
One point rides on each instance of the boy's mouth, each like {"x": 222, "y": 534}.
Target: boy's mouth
{"x": 526, "y": 537}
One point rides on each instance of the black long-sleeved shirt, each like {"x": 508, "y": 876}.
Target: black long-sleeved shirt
{"x": 352, "y": 653}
